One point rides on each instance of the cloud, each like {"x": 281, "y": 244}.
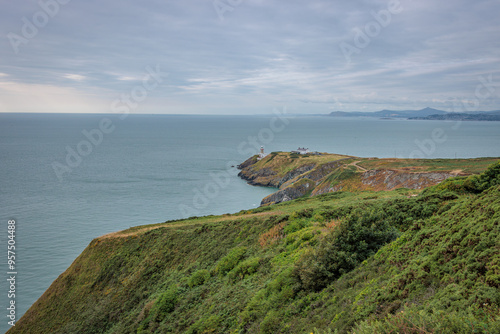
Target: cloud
{"x": 262, "y": 52}
{"x": 75, "y": 77}
{"x": 22, "y": 97}
{"x": 126, "y": 78}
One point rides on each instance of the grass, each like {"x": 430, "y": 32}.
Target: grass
{"x": 284, "y": 162}
{"x": 345, "y": 262}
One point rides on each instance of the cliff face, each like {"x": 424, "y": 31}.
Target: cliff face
{"x": 268, "y": 177}
{"x": 290, "y": 192}
{"x": 297, "y": 176}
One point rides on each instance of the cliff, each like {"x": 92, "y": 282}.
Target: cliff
{"x": 309, "y": 175}
{"x": 343, "y": 262}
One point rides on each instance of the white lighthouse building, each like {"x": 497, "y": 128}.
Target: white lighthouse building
{"x": 261, "y": 153}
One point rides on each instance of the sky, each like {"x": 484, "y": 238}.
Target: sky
{"x": 248, "y": 56}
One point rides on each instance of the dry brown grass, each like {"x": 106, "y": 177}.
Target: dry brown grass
{"x": 274, "y": 234}
{"x": 332, "y": 224}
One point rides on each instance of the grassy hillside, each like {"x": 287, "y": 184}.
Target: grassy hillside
{"x": 363, "y": 262}
{"x": 284, "y": 162}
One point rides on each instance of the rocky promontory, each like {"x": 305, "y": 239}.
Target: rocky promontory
{"x": 296, "y": 175}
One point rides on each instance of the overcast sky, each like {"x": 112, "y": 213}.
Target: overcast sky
{"x": 248, "y": 56}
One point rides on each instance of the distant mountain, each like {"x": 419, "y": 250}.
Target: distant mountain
{"x": 390, "y": 113}
{"x": 423, "y": 114}
{"x": 410, "y": 113}
{"x": 491, "y": 116}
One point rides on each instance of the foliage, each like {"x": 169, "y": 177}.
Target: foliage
{"x": 342, "y": 250}
{"x": 470, "y": 320}
{"x": 365, "y": 262}
{"x": 198, "y": 278}
{"x": 474, "y": 183}
{"x": 275, "y": 234}
{"x": 245, "y": 268}
{"x": 228, "y": 262}
{"x": 163, "y": 305}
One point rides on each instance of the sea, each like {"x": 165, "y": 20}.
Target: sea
{"x": 66, "y": 179}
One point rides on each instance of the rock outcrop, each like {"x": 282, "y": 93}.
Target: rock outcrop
{"x": 290, "y": 192}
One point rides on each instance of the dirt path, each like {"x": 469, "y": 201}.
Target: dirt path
{"x": 355, "y": 164}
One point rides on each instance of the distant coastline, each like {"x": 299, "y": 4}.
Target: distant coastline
{"x": 423, "y": 114}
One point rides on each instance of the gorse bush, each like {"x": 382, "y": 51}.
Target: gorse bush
{"x": 199, "y": 277}
{"x": 245, "y": 268}
{"x": 228, "y": 262}
{"x": 342, "y": 250}
{"x": 490, "y": 178}
{"x": 165, "y": 303}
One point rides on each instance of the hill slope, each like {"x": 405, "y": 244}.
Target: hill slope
{"x": 359, "y": 262}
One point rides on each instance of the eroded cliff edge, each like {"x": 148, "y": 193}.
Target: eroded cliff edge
{"x": 296, "y": 175}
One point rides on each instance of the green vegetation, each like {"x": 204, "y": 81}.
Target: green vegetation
{"x": 474, "y": 184}
{"x": 284, "y": 162}
{"x": 399, "y": 261}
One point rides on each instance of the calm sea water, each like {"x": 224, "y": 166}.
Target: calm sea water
{"x": 151, "y": 168}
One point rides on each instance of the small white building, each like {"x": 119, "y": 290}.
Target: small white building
{"x": 262, "y": 155}
{"x": 301, "y": 150}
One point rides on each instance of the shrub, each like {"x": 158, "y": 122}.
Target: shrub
{"x": 166, "y": 302}
{"x": 342, "y": 250}
{"x": 198, "y": 278}
{"x": 490, "y": 178}
{"x": 295, "y": 225}
{"x": 245, "y": 268}
{"x": 473, "y": 184}
{"x": 305, "y": 213}
{"x": 271, "y": 323}
{"x": 228, "y": 262}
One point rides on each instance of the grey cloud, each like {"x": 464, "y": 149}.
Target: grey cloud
{"x": 261, "y": 52}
